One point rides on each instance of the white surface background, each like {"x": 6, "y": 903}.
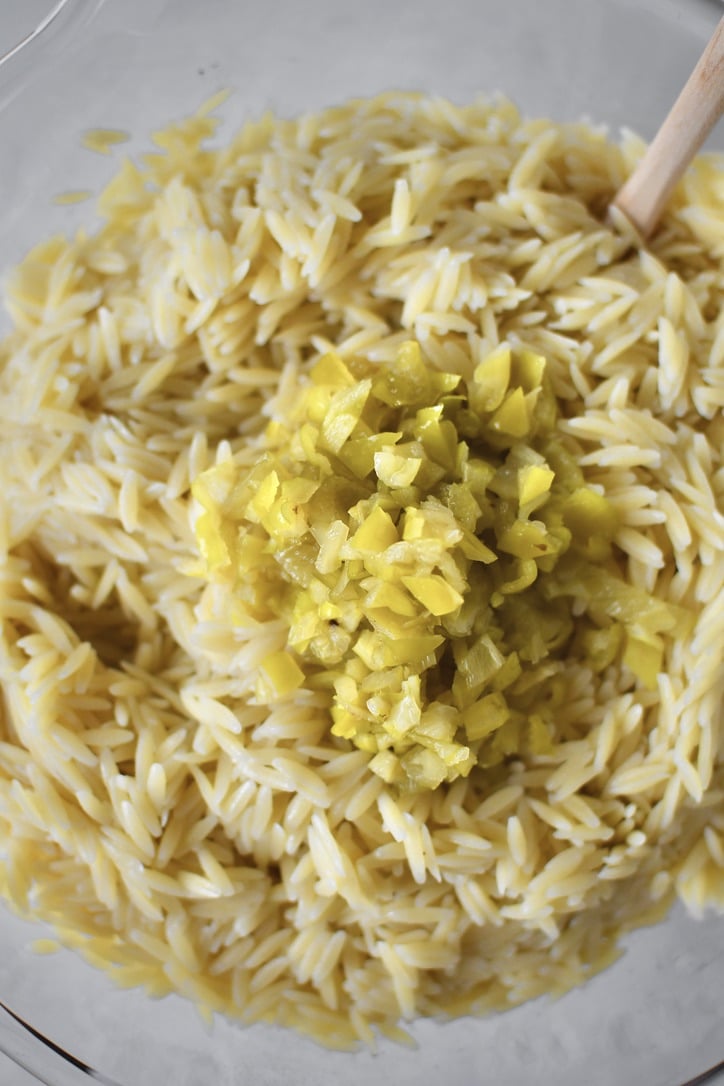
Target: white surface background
{"x": 18, "y": 18}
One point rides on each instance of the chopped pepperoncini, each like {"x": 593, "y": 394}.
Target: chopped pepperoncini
{"x": 426, "y": 542}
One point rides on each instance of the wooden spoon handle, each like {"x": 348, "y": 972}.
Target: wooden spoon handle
{"x": 697, "y": 109}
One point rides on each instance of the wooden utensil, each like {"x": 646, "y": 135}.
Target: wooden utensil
{"x": 697, "y": 109}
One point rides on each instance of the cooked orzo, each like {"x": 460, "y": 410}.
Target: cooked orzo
{"x": 362, "y": 580}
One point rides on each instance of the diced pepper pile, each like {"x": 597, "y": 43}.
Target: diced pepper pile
{"x": 424, "y": 538}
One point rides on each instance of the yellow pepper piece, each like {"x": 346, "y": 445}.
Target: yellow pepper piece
{"x": 539, "y": 739}
{"x": 264, "y": 497}
{"x": 644, "y": 654}
{"x": 387, "y": 766}
{"x": 329, "y": 558}
{"x": 509, "y": 671}
{"x": 485, "y": 716}
{"x": 395, "y": 469}
{"x": 331, "y": 370}
{"x": 602, "y": 646}
{"x": 476, "y": 550}
{"x": 212, "y": 487}
{"x": 358, "y": 453}
{"x": 283, "y": 673}
{"x": 490, "y": 380}
{"x": 213, "y": 548}
{"x": 527, "y": 539}
{"x": 424, "y": 768}
{"x": 527, "y": 573}
{"x": 378, "y": 652}
{"x": 344, "y": 413}
{"x": 346, "y": 724}
{"x": 534, "y": 484}
{"x": 512, "y": 416}
{"x": 433, "y": 593}
{"x": 592, "y": 521}
{"x": 528, "y": 369}
{"x": 389, "y": 595}
{"x": 376, "y": 533}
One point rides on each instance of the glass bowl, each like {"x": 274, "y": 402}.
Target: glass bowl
{"x": 655, "y": 1016}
